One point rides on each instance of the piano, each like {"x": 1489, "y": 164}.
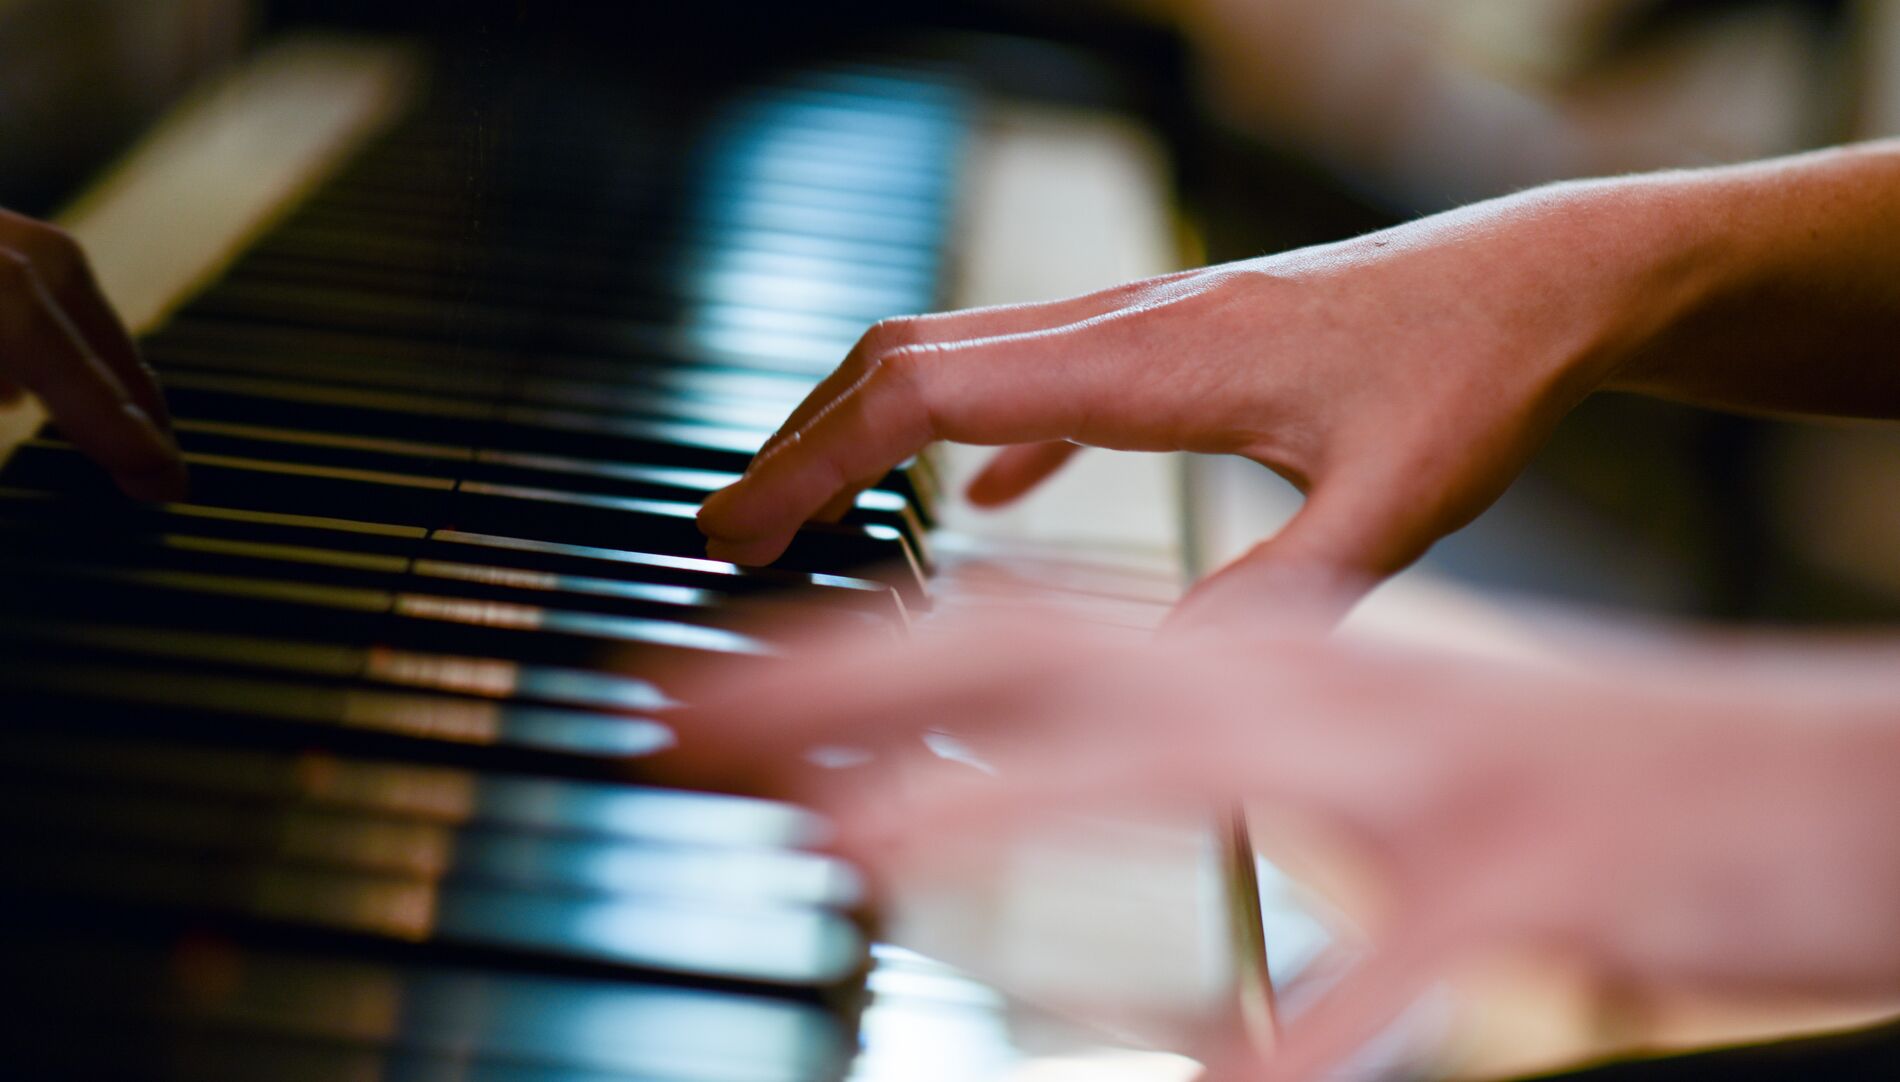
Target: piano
{"x": 337, "y": 769}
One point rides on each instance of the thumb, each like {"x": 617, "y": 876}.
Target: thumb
{"x": 1348, "y": 536}
{"x": 1015, "y": 470}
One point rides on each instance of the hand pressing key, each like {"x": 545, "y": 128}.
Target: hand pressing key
{"x": 60, "y": 339}
{"x": 1401, "y": 379}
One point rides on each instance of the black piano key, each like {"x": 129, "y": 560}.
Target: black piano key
{"x": 354, "y": 568}
{"x": 376, "y": 666}
{"x": 670, "y": 527}
{"x": 676, "y": 484}
{"x": 778, "y": 945}
{"x": 207, "y": 1008}
{"x": 204, "y": 702}
{"x": 22, "y": 509}
{"x": 556, "y": 472}
{"x": 231, "y": 344}
{"x": 362, "y": 411}
{"x": 879, "y": 598}
{"x": 757, "y": 417}
{"x": 256, "y": 484}
{"x": 574, "y": 293}
{"x": 410, "y": 620}
{"x": 686, "y": 273}
{"x": 213, "y": 822}
{"x": 448, "y": 795}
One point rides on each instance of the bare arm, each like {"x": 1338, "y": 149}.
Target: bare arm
{"x": 1402, "y": 378}
{"x": 1802, "y": 310}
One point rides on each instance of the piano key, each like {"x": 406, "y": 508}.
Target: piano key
{"x": 429, "y": 502}
{"x": 487, "y": 678}
{"x": 781, "y": 945}
{"x": 622, "y": 397}
{"x": 355, "y": 568}
{"x": 259, "y": 484}
{"x": 411, "y": 620}
{"x": 702, "y": 239}
{"x": 236, "y": 1010}
{"x": 227, "y": 344}
{"x": 26, "y": 509}
{"x": 670, "y": 527}
{"x": 570, "y": 290}
{"x": 213, "y": 822}
{"x": 230, "y": 441}
{"x": 448, "y": 795}
{"x": 200, "y": 703}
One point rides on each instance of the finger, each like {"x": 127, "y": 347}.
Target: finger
{"x": 1121, "y": 730}
{"x": 940, "y": 328}
{"x": 67, "y": 275}
{"x": 857, "y": 692}
{"x": 41, "y": 349}
{"x": 100, "y": 326}
{"x": 1015, "y": 470}
{"x": 995, "y": 390}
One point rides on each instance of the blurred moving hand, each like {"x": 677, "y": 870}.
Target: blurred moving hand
{"x": 1401, "y": 379}
{"x": 1690, "y": 817}
{"x": 60, "y": 339}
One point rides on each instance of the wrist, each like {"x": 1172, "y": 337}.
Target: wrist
{"x": 1661, "y": 261}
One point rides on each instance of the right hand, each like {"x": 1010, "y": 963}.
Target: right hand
{"x": 1400, "y": 379}
{"x": 60, "y": 339}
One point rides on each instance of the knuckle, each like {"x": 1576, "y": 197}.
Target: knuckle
{"x": 888, "y": 335}
{"x": 904, "y": 374}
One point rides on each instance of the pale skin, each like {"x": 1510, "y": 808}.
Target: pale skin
{"x": 1701, "y": 815}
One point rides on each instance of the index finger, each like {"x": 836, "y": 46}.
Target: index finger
{"x": 990, "y": 390}
{"x": 62, "y": 267}
{"x": 42, "y": 350}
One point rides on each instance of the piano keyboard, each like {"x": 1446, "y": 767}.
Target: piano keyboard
{"x": 335, "y": 771}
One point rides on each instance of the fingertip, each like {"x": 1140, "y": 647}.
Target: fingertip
{"x": 753, "y": 553}
{"x": 990, "y": 489}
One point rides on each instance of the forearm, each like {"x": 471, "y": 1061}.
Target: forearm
{"x": 1795, "y": 305}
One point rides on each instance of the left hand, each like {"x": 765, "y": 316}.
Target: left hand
{"x": 1690, "y": 817}
{"x": 61, "y": 340}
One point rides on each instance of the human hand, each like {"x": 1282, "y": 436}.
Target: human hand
{"x": 1400, "y": 379}
{"x": 1681, "y": 817}
{"x": 60, "y": 339}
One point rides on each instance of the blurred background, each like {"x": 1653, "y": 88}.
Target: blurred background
{"x": 1287, "y": 122}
